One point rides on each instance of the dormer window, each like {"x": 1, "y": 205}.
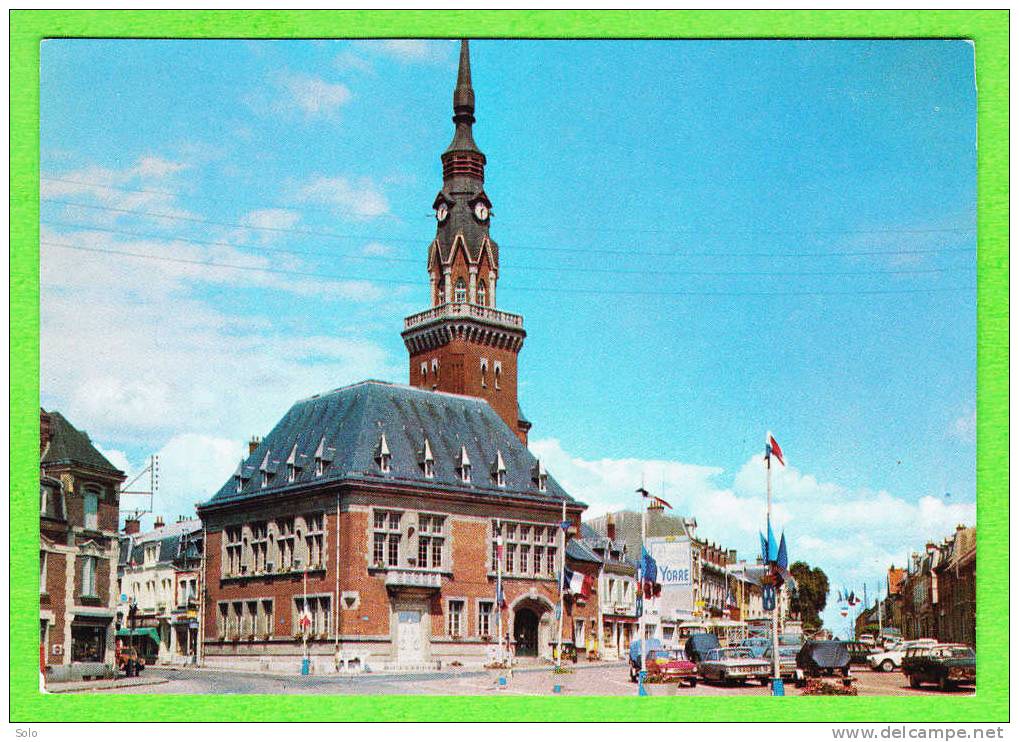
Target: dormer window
{"x": 426, "y": 460}
{"x": 382, "y": 455}
{"x": 499, "y": 470}
{"x": 240, "y": 477}
{"x": 267, "y": 469}
{"x": 460, "y": 291}
{"x": 463, "y": 465}
{"x": 292, "y": 465}
{"x": 323, "y": 455}
{"x": 539, "y": 476}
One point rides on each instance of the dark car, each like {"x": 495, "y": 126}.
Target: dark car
{"x": 947, "y": 665}
{"x": 698, "y": 645}
{"x": 636, "y": 648}
{"x": 823, "y": 658}
{"x": 858, "y": 652}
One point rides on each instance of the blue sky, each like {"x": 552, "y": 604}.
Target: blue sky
{"x": 707, "y": 240}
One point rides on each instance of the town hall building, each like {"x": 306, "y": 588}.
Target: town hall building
{"x": 363, "y": 528}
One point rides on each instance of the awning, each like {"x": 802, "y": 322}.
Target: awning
{"x": 149, "y": 632}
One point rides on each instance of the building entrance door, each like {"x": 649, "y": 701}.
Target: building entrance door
{"x": 525, "y": 632}
{"x": 409, "y": 639}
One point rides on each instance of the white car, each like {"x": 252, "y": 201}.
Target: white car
{"x": 890, "y": 659}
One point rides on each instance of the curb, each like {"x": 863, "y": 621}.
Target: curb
{"x": 101, "y": 685}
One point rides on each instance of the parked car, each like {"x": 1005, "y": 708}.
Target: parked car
{"x": 671, "y": 665}
{"x": 946, "y": 665}
{"x": 733, "y": 665}
{"x": 891, "y": 658}
{"x": 823, "y": 658}
{"x": 867, "y": 639}
{"x": 858, "y": 652}
{"x": 786, "y": 661}
{"x": 698, "y": 645}
{"x": 756, "y": 644}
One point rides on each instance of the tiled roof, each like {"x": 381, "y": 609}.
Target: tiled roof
{"x": 68, "y": 445}
{"x": 347, "y": 424}
{"x": 169, "y": 538}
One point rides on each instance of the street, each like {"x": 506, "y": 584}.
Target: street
{"x": 603, "y": 679}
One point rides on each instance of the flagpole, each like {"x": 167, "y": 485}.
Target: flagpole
{"x": 498, "y": 588}
{"x": 562, "y": 576}
{"x": 640, "y": 585}
{"x": 776, "y": 677}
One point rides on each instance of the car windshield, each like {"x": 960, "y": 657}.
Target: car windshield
{"x": 954, "y": 652}
{"x": 658, "y": 654}
{"x": 734, "y": 653}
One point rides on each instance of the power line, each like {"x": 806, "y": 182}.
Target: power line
{"x": 516, "y": 265}
{"x": 582, "y": 250}
{"x": 541, "y": 289}
{"x": 572, "y": 227}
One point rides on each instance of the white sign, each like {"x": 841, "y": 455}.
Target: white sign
{"x": 674, "y": 562}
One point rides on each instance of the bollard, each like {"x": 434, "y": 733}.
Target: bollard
{"x": 641, "y": 677}
{"x": 557, "y": 688}
{"x": 305, "y": 666}
{"x": 502, "y": 682}
{"x": 777, "y": 687}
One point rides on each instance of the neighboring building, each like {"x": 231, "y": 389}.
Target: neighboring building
{"x": 158, "y": 572}
{"x": 617, "y": 591}
{"x": 78, "y": 513}
{"x": 939, "y": 590}
{"x": 362, "y": 529}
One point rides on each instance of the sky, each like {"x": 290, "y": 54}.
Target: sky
{"x": 707, "y": 240}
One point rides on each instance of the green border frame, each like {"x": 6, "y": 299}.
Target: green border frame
{"x": 987, "y": 29}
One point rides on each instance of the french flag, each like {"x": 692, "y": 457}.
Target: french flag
{"x": 771, "y": 448}
{"x": 577, "y": 582}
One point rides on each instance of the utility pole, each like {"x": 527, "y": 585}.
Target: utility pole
{"x": 562, "y": 576}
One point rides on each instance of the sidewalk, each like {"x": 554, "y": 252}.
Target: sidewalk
{"x": 87, "y": 685}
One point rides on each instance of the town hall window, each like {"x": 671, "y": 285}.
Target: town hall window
{"x": 460, "y": 292}
{"x": 259, "y": 545}
{"x": 455, "y": 618}
{"x": 430, "y": 540}
{"x": 314, "y": 539}
{"x": 232, "y": 539}
{"x": 485, "y": 610}
{"x": 482, "y": 294}
{"x": 285, "y": 542}
{"x": 386, "y": 538}
{"x": 92, "y": 510}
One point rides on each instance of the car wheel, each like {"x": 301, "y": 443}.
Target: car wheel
{"x": 693, "y": 682}
{"x": 764, "y": 682}
{"x": 945, "y": 685}
{"x": 887, "y": 666}
{"x": 914, "y": 682}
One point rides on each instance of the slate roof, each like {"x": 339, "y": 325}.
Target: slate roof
{"x": 581, "y": 552}
{"x": 461, "y": 221}
{"x": 68, "y": 445}
{"x": 348, "y": 424}
{"x": 169, "y": 538}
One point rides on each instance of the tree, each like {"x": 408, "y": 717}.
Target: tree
{"x": 811, "y": 594}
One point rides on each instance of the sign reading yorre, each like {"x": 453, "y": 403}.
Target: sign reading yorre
{"x": 674, "y": 563}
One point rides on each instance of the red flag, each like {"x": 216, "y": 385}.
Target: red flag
{"x": 773, "y": 449}
{"x": 662, "y": 502}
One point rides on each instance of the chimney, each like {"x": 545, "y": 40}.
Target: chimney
{"x": 132, "y": 525}
{"x": 159, "y": 522}
{"x": 253, "y": 444}
{"x": 610, "y": 527}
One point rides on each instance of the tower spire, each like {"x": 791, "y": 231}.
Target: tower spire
{"x": 463, "y": 95}
{"x": 470, "y": 160}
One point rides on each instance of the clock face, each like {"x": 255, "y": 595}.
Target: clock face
{"x": 441, "y": 213}
{"x": 481, "y": 211}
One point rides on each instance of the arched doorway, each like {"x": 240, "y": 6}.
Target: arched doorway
{"x": 525, "y": 632}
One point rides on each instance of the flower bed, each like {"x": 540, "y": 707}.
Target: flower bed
{"x": 822, "y": 687}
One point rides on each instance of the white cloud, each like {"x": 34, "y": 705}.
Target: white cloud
{"x": 413, "y": 50}
{"x": 360, "y": 198}
{"x": 853, "y": 535}
{"x": 376, "y": 248}
{"x": 313, "y": 95}
{"x": 964, "y": 427}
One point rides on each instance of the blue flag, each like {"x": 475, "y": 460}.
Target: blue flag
{"x": 648, "y": 568}
{"x": 764, "y": 546}
{"x": 783, "y": 557}
{"x": 772, "y": 545}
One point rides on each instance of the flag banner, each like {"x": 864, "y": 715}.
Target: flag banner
{"x": 768, "y": 598}
{"x": 565, "y": 525}
{"x": 783, "y": 556}
{"x": 500, "y": 595}
{"x": 640, "y": 605}
{"x": 660, "y": 501}
{"x": 771, "y": 448}
{"x": 577, "y": 582}
{"x": 772, "y": 554}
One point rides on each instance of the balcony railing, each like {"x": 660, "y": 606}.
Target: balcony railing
{"x": 414, "y": 578}
{"x": 472, "y": 311}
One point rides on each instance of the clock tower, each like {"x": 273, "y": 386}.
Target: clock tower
{"x": 463, "y": 344}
